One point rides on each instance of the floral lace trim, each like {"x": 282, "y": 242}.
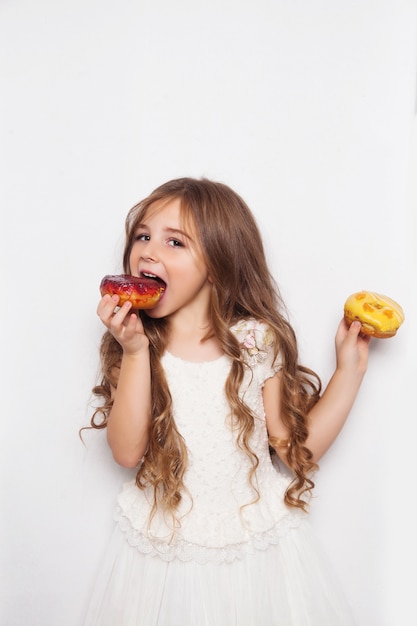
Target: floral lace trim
{"x": 255, "y": 339}
{"x": 185, "y": 551}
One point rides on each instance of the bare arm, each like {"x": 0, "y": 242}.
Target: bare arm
{"x": 328, "y": 416}
{"x": 129, "y": 419}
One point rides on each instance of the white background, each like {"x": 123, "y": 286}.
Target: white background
{"x": 307, "y": 109}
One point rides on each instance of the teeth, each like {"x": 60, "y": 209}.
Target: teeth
{"x": 146, "y": 275}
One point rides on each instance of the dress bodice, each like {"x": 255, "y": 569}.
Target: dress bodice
{"x": 222, "y": 513}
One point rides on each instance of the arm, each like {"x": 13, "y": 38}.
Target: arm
{"x": 129, "y": 419}
{"x": 272, "y": 407}
{"x": 328, "y": 416}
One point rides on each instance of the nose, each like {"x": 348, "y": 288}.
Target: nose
{"x": 148, "y": 252}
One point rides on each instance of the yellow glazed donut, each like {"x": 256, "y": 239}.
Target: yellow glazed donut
{"x": 379, "y": 315}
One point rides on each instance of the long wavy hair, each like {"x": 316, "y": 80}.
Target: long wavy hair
{"x": 243, "y": 288}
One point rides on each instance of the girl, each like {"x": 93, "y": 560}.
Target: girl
{"x": 205, "y": 398}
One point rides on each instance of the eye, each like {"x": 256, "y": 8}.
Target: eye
{"x": 142, "y": 237}
{"x": 175, "y": 243}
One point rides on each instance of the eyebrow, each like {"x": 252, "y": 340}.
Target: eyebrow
{"x": 168, "y": 230}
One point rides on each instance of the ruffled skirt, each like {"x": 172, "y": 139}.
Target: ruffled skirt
{"x": 287, "y": 584}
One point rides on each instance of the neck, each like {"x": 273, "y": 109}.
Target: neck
{"x": 189, "y": 342}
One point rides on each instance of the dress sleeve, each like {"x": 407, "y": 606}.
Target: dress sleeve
{"x": 258, "y": 348}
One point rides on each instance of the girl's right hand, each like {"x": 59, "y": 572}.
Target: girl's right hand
{"x": 125, "y": 326}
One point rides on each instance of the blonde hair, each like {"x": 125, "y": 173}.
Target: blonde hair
{"x": 243, "y": 288}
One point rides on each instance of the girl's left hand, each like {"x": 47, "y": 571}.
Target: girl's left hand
{"x": 352, "y": 347}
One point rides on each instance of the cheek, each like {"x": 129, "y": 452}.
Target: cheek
{"x": 198, "y": 262}
{"x": 197, "y": 271}
{"x": 132, "y": 258}
{"x": 188, "y": 274}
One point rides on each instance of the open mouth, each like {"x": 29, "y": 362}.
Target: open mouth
{"x": 154, "y": 277}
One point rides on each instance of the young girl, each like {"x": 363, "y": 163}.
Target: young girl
{"x": 205, "y": 398}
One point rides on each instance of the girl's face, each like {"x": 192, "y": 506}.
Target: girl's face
{"x": 165, "y": 248}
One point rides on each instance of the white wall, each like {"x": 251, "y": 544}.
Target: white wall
{"x": 306, "y": 109}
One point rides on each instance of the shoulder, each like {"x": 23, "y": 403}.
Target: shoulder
{"x": 256, "y": 339}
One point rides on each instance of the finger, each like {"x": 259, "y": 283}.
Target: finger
{"x": 355, "y": 328}
{"x": 347, "y": 334}
{"x": 343, "y": 324}
{"x": 119, "y": 317}
{"x": 106, "y": 306}
{"x": 356, "y": 335}
{"x": 365, "y": 338}
{"x": 133, "y": 326}
{"x": 341, "y": 332}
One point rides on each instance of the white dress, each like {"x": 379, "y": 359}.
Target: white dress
{"x": 238, "y": 556}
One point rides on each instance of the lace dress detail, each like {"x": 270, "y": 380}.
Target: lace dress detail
{"x": 237, "y": 556}
{"x": 221, "y": 516}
